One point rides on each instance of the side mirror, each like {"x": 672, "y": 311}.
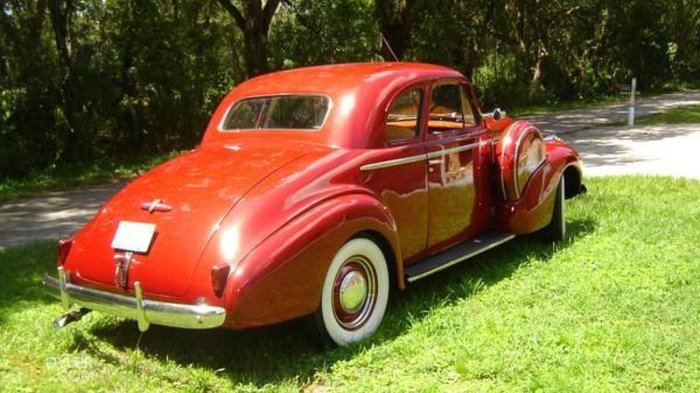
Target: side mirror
{"x": 498, "y": 114}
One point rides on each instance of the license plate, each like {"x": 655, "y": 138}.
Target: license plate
{"x": 133, "y": 236}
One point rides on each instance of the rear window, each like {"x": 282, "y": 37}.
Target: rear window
{"x": 298, "y": 112}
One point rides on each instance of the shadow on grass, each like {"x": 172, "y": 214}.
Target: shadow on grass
{"x": 287, "y": 352}
{"x": 21, "y": 270}
{"x": 478, "y": 274}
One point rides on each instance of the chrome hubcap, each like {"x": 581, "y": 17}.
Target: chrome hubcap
{"x": 353, "y": 291}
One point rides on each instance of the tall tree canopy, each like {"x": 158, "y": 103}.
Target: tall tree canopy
{"x": 82, "y": 80}
{"x": 254, "y": 21}
{"x": 395, "y": 19}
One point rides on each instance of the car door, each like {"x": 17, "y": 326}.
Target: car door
{"x": 452, "y": 144}
{"x": 398, "y": 170}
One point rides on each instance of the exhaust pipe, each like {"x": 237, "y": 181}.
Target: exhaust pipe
{"x": 70, "y": 317}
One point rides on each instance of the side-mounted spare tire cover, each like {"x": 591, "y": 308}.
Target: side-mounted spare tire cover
{"x": 520, "y": 152}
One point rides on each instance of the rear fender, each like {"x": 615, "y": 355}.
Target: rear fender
{"x": 282, "y": 278}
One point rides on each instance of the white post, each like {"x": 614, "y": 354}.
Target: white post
{"x": 630, "y": 116}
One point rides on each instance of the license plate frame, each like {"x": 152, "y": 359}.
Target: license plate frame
{"x": 134, "y": 236}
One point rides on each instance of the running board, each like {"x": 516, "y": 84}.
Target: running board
{"x": 455, "y": 255}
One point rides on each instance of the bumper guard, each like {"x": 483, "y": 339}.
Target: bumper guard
{"x": 143, "y": 311}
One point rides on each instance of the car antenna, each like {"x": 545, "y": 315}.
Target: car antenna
{"x": 396, "y": 59}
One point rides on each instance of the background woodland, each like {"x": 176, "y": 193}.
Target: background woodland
{"x": 81, "y": 80}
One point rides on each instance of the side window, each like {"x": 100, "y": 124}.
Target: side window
{"x": 403, "y": 118}
{"x": 449, "y": 109}
{"x": 469, "y": 120}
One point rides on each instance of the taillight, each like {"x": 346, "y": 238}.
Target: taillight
{"x": 64, "y": 246}
{"x": 219, "y": 275}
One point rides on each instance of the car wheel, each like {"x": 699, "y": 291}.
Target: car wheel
{"x": 556, "y": 230}
{"x": 355, "y": 293}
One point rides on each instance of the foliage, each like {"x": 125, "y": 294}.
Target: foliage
{"x": 144, "y": 78}
{"x": 318, "y": 31}
{"x": 81, "y": 80}
{"x": 613, "y": 308}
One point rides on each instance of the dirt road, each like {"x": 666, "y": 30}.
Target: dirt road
{"x": 655, "y": 150}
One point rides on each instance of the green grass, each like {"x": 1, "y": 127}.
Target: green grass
{"x": 59, "y": 178}
{"x": 681, "y": 115}
{"x": 616, "y": 307}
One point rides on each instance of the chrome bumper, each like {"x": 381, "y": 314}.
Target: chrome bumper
{"x": 144, "y": 311}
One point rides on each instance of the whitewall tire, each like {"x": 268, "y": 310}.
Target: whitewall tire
{"x": 556, "y": 230}
{"x": 355, "y": 293}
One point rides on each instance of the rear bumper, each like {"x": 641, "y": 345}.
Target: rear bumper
{"x": 145, "y": 312}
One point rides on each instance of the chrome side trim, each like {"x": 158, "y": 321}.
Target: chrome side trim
{"x": 459, "y": 259}
{"x": 416, "y": 158}
{"x": 144, "y": 311}
{"x": 394, "y": 162}
{"x": 440, "y": 153}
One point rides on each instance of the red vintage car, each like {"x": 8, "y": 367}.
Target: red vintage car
{"x": 313, "y": 193}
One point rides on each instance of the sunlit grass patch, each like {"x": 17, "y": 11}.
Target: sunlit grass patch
{"x": 681, "y": 115}
{"x": 613, "y": 308}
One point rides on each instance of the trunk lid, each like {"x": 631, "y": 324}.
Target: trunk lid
{"x": 195, "y": 191}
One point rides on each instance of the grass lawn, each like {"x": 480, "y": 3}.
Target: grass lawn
{"x": 682, "y": 115}
{"x": 614, "y": 308}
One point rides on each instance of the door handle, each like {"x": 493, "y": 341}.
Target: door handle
{"x": 435, "y": 161}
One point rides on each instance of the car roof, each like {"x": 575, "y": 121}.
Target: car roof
{"x": 357, "y": 91}
{"x": 337, "y": 79}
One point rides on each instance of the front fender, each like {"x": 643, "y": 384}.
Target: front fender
{"x": 533, "y": 209}
{"x": 282, "y": 278}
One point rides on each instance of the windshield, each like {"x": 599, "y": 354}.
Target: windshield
{"x": 298, "y": 112}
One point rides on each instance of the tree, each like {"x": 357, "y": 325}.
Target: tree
{"x": 253, "y": 20}
{"x": 27, "y": 98}
{"x": 84, "y": 80}
{"x": 61, "y": 12}
{"x": 395, "y": 23}
{"x": 309, "y": 32}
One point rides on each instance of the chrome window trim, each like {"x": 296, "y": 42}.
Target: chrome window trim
{"x": 220, "y": 126}
{"x": 419, "y": 115}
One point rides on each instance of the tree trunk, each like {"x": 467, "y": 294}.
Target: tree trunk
{"x": 254, "y": 21}
{"x": 395, "y": 22}
{"x": 536, "y": 81}
{"x": 255, "y": 51}
{"x": 60, "y": 12}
